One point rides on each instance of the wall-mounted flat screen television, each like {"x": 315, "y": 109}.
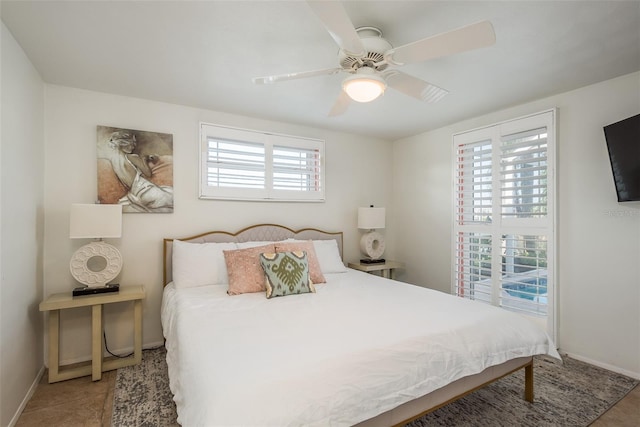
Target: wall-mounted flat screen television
{"x": 623, "y": 143}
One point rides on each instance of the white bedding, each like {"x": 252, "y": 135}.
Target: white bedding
{"x": 358, "y": 347}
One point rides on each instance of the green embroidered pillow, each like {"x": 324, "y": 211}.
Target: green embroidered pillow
{"x": 286, "y": 273}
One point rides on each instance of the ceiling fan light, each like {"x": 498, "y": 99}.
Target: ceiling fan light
{"x": 364, "y": 88}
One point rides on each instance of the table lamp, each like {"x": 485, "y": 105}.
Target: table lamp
{"x": 372, "y": 243}
{"x": 97, "y": 263}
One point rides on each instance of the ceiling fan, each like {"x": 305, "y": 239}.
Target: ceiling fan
{"x": 372, "y": 62}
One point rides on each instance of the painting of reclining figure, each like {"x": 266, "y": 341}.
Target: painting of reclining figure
{"x": 135, "y": 169}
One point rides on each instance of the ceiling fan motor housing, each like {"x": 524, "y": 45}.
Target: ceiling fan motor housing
{"x": 374, "y": 45}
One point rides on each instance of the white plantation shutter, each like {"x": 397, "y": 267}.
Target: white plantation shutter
{"x": 473, "y": 266}
{"x": 503, "y": 234}
{"x": 523, "y": 283}
{"x": 474, "y": 185}
{"x": 249, "y": 165}
{"x": 235, "y": 164}
{"x": 297, "y": 169}
{"x": 523, "y": 174}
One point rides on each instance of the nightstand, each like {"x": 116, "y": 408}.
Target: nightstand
{"x": 385, "y": 268}
{"x": 56, "y": 302}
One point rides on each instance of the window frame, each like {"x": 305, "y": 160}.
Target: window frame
{"x": 494, "y": 225}
{"x": 269, "y": 141}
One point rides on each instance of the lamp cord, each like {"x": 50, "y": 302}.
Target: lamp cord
{"x": 104, "y": 334}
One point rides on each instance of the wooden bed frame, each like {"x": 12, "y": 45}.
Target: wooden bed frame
{"x": 406, "y": 412}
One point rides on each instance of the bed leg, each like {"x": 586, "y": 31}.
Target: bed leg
{"x": 528, "y": 382}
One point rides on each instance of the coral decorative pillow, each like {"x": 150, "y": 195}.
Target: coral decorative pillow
{"x": 306, "y": 246}
{"x": 244, "y": 269}
{"x": 286, "y": 273}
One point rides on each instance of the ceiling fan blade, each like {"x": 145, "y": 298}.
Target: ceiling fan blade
{"x": 335, "y": 19}
{"x": 341, "y": 105}
{"x": 293, "y": 76}
{"x": 414, "y": 87}
{"x": 471, "y": 37}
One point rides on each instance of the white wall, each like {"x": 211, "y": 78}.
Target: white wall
{"x": 21, "y": 232}
{"x": 598, "y": 238}
{"x": 70, "y": 154}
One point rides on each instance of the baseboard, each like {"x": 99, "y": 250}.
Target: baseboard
{"x": 616, "y": 369}
{"x": 26, "y": 399}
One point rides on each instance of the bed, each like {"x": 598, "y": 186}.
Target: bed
{"x": 360, "y": 350}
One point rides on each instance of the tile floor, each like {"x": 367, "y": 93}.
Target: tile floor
{"x": 82, "y": 402}
{"x": 77, "y": 402}
{"x": 625, "y": 414}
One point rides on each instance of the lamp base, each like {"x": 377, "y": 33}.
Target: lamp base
{"x": 372, "y": 261}
{"x": 372, "y": 244}
{"x": 96, "y": 263}
{"x": 97, "y": 290}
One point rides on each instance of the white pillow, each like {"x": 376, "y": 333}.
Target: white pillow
{"x": 199, "y": 264}
{"x": 329, "y": 256}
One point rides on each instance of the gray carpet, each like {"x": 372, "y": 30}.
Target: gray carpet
{"x": 142, "y": 397}
{"x": 569, "y": 394}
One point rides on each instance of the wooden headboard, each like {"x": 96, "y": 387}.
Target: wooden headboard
{"x": 255, "y": 233}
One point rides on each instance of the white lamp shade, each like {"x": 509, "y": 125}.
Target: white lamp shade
{"x": 365, "y": 86}
{"x": 371, "y": 218}
{"x": 95, "y": 221}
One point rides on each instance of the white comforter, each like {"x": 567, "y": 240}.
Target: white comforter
{"x": 358, "y": 347}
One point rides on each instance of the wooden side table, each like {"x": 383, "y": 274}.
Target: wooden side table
{"x": 385, "y": 268}
{"x": 56, "y": 302}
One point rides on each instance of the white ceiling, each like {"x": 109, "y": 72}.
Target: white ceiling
{"x": 205, "y": 53}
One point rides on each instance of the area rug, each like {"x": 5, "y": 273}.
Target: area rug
{"x": 142, "y": 397}
{"x": 567, "y": 394}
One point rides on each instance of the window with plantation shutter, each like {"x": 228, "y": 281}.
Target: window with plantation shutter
{"x": 503, "y": 234}
{"x": 249, "y": 165}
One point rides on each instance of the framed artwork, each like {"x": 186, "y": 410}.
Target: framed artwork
{"x": 135, "y": 169}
